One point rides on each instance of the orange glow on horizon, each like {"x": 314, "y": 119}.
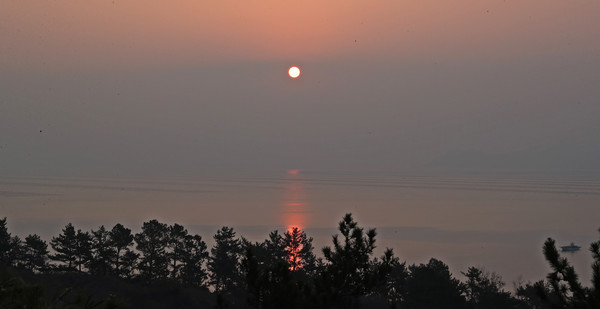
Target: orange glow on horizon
{"x": 76, "y": 34}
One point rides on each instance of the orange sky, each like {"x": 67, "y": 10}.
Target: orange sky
{"x": 52, "y": 34}
{"x": 384, "y": 83}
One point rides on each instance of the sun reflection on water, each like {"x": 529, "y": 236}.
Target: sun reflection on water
{"x": 295, "y": 216}
{"x": 295, "y": 205}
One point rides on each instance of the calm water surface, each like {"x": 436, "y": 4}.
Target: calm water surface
{"x": 498, "y": 222}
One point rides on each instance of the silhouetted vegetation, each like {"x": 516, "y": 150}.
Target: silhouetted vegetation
{"x": 170, "y": 268}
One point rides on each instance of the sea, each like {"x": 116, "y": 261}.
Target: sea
{"x": 497, "y": 221}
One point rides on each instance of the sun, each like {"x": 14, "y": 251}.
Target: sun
{"x": 294, "y": 72}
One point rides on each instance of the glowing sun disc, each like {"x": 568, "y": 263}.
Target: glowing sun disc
{"x": 294, "y": 72}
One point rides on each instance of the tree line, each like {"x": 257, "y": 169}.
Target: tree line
{"x": 283, "y": 271}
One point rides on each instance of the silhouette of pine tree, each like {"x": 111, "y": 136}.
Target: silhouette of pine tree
{"x": 35, "y": 254}
{"x": 224, "y": 261}
{"x": 485, "y": 290}
{"x": 564, "y": 282}
{"x": 121, "y": 239}
{"x": 65, "y": 246}
{"x": 152, "y": 243}
{"x": 5, "y": 246}
{"x": 347, "y": 275}
{"x": 103, "y": 252}
{"x": 432, "y": 285}
{"x": 254, "y": 296}
{"x": 595, "y": 292}
{"x": 194, "y": 255}
{"x": 275, "y": 249}
{"x": 176, "y": 245}
{"x": 390, "y": 278}
{"x": 10, "y": 246}
{"x": 299, "y": 250}
{"x": 529, "y": 297}
{"x": 563, "y": 289}
{"x": 83, "y": 250}
{"x": 128, "y": 264}
{"x": 273, "y": 285}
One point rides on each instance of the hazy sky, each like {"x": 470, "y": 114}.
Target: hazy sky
{"x": 134, "y": 87}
